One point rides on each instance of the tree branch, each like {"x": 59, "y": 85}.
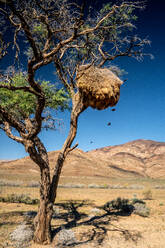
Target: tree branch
{"x": 61, "y": 73}
{"x": 77, "y": 109}
{"x": 9, "y": 133}
{"x": 15, "y": 88}
{"x": 12, "y": 121}
{"x": 26, "y": 29}
{"x": 129, "y": 51}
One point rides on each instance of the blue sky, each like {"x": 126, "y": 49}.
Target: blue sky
{"x": 140, "y": 113}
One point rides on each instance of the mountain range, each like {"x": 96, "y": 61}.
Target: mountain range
{"x": 139, "y": 158}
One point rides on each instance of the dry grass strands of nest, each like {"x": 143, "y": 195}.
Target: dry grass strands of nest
{"x": 100, "y": 87}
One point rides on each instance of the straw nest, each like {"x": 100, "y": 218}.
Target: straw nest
{"x": 100, "y": 87}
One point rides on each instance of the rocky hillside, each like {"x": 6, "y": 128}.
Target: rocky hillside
{"x": 139, "y": 158}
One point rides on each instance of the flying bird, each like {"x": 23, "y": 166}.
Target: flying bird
{"x": 113, "y": 109}
{"x": 109, "y": 123}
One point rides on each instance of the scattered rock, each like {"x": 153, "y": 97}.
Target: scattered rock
{"x": 21, "y": 236}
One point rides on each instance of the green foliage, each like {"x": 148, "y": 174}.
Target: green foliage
{"x": 23, "y": 104}
{"x": 118, "y": 204}
{"x": 119, "y": 21}
{"x": 19, "y": 101}
{"x": 135, "y": 200}
{"x": 40, "y": 33}
{"x": 13, "y": 198}
{"x": 40, "y": 30}
{"x": 127, "y": 206}
{"x": 55, "y": 98}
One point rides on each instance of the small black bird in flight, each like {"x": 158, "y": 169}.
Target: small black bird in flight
{"x": 113, "y": 109}
{"x": 109, "y": 123}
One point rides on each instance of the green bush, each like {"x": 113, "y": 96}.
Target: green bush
{"x": 127, "y": 206}
{"x": 13, "y": 198}
{"x": 136, "y": 200}
{"x": 118, "y": 204}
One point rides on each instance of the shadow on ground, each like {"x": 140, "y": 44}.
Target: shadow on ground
{"x": 97, "y": 224}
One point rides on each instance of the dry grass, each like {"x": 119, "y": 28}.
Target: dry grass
{"x": 111, "y": 231}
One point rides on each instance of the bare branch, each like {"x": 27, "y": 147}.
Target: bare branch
{"x": 18, "y": 28}
{"x": 130, "y": 50}
{"x": 3, "y": 47}
{"x": 100, "y": 49}
{"x": 72, "y": 148}
{"x": 26, "y": 29}
{"x": 7, "y": 130}
{"x": 114, "y": 8}
{"x": 61, "y": 73}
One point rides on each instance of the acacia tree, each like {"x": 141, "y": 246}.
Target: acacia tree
{"x": 68, "y": 35}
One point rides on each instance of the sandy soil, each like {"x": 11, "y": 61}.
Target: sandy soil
{"x": 92, "y": 228}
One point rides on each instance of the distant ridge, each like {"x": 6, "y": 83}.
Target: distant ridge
{"x": 138, "y": 158}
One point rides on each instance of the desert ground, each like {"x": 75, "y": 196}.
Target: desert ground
{"x": 78, "y": 210}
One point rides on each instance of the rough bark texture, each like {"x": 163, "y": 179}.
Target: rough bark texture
{"x": 48, "y": 190}
{"x": 77, "y": 109}
{"x": 42, "y": 222}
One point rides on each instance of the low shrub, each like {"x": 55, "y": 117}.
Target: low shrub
{"x": 13, "y": 198}
{"x": 93, "y": 186}
{"x": 136, "y": 200}
{"x": 70, "y": 185}
{"x": 4, "y": 182}
{"x": 115, "y": 186}
{"x": 33, "y": 184}
{"x": 136, "y": 186}
{"x": 141, "y": 209}
{"x": 119, "y": 204}
{"x": 159, "y": 187}
{"x": 127, "y": 206}
{"x": 147, "y": 195}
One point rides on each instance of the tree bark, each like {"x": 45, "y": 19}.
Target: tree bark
{"x": 77, "y": 109}
{"x": 42, "y": 221}
{"x": 42, "y": 224}
{"x": 48, "y": 188}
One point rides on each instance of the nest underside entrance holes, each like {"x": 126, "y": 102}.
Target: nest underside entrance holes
{"x": 99, "y": 87}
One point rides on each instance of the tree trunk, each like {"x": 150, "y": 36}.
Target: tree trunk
{"x": 42, "y": 222}
{"x": 48, "y": 189}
